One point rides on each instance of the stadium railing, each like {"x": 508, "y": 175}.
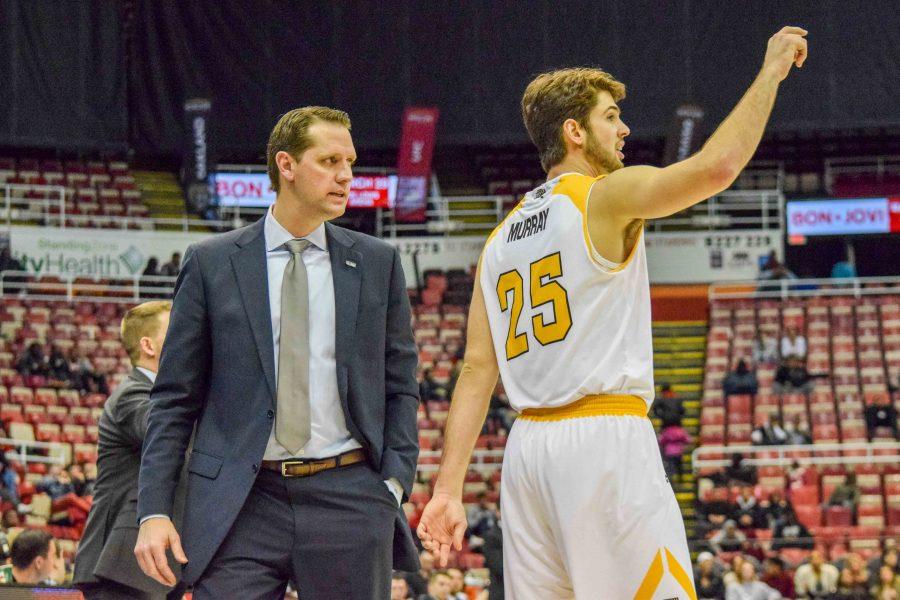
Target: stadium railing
{"x": 127, "y": 290}
{"x": 782, "y": 289}
{"x": 845, "y": 453}
{"x": 476, "y": 215}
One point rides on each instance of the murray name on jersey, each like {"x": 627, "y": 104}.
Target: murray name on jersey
{"x": 533, "y": 224}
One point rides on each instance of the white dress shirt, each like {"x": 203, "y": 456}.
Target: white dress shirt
{"x": 330, "y": 435}
{"x": 151, "y": 375}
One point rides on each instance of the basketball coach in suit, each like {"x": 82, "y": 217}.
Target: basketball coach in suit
{"x": 290, "y": 347}
{"x": 105, "y": 566}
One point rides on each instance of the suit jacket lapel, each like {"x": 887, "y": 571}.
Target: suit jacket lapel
{"x": 346, "y": 271}
{"x": 249, "y": 264}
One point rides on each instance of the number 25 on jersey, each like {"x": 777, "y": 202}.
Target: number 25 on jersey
{"x": 544, "y": 289}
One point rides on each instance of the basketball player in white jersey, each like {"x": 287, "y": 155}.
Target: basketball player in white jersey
{"x": 561, "y": 310}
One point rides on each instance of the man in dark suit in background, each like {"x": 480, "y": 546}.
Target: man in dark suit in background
{"x": 290, "y": 348}
{"x": 105, "y": 566}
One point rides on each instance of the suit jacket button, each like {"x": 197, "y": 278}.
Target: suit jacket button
{"x": 270, "y": 413}
{"x": 255, "y": 468}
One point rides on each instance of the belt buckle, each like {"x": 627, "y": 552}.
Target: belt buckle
{"x": 296, "y": 463}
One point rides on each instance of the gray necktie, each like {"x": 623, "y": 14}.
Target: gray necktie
{"x": 292, "y": 421}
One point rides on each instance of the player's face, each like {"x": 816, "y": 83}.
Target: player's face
{"x": 606, "y": 134}
{"x": 322, "y": 175}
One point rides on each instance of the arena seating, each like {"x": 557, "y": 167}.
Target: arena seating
{"x": 855, "y": 343}
{"x": 96, "y": 192}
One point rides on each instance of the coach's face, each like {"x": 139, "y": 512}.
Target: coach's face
{"x": 322, "y": 175}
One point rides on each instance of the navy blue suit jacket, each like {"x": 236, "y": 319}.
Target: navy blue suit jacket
{"x": 217, "y": 371}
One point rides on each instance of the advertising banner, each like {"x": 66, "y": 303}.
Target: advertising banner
{"x": 414, "y": 163}
{"x": 253, "y": 190}
{"x": 94, "y": 252}
{"x": 843, "y": 217}
{"x": 195, "y": 172}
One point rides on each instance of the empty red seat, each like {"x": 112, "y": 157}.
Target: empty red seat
{"x": 839, "y": 516}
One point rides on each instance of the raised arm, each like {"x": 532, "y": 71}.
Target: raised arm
{"x": 644, "y": 192}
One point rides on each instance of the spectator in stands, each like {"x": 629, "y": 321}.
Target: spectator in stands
{"x": 173, "y": 267}
{"x": 793, "y": 344}
{"x": 774, "y": 269}
{"x": 418, "y": 582}
{"x": 765, "y": 349}
{"x": 76, "y": 476}
{"x": 34, "y": 558}
{"x": 791, "y": 533}
{"x": 847, "y": 494}
{"x": 7, "y": 262}
{"x": 708, "y": 578}
{"x": 816, "y": 579}
{"x": 843, "y": 269}
{"x": 429, "y": 389}
{"x": 58, "y": 372}
{"x": 668, "y": 407}
{"x": 32, "y": 361}
{"x": 881, "y": 413}
{"x": 90, "y": 478}
{"x": 147, "y": 284}
{"x": 746, "y": 501}
{"x": 399, "y": 587}
{"x": 854, "y": 580}
{"x": 792, "y": 376}
{"x": 9, "y": 482}
{"x": 774, "y": 509}
{"x": 770, "y": 433}
{"x": 56, "y": 483}
{"x": 673, "y": 439}
{"x": 483, "y": 516}
{"x": 797, "y": 432}
{"x": 749, "y": 587}
{"x": 889, "y": 556}
{"x": 438, "y": 587}
{"x": 888, "y": 586}
{"x": 738, "y": 472}
{"x": 776, "y": 578}
{"x": 740, "y": 381}
{"x": 457, "y": 584}
{"x": 728, "y": 539}
{"x": 83, "y": 377}
{"x": 493, "y": 560}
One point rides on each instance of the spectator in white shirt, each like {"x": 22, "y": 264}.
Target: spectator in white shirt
{"x": 793, "y": 344}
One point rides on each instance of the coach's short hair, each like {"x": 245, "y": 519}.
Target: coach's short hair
{"x": 29, "y": 545}
{"x": 139, "y": 322}
{"x": 553, "y": 97}
{"x": 290, "y": 134}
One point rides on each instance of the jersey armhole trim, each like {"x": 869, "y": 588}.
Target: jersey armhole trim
{"x": 604, "y": 263}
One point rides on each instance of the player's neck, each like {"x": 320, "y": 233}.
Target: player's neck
{"x": 574, "y": 163}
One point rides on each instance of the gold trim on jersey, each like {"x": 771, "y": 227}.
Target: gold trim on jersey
{"x": 591, "y": 406}
{"x": 577, "y": 188}
{"x": 493, "y": 234}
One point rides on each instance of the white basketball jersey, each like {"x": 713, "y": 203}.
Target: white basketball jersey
{"x": 565, "y": 322}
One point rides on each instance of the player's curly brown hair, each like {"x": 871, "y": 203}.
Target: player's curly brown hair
{"x": 553, "y": 97}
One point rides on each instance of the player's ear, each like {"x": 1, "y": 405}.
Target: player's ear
{"x": 573, "y": 132}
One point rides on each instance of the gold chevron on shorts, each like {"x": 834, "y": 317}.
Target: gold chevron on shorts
{"x": 655, "y": 573}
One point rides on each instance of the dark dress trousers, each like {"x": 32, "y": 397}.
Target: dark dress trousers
{"x": 105, "y": 562}
{"x": 217, "y": 371}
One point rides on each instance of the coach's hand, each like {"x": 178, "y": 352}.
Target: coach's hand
{"x": 442, "y": 525}
{"x": 155, "y": 537}
{"x": 786, "y": 48}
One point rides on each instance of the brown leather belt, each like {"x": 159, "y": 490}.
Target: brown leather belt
{"x": 305, "y": 468}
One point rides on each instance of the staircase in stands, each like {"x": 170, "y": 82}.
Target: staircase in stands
{"x": 679, "y": 356}
{"x": 162, "y": 194}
